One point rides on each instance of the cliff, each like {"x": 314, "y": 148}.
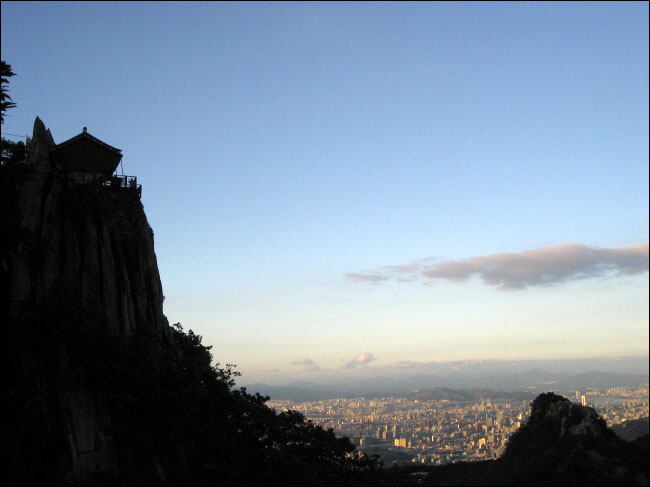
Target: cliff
{"x": 85, "y": 242}
{"x": 78, "y": 263}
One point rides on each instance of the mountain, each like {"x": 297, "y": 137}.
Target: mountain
{"x": 596, "y": 379}
{"x": 532, "y": 381}
{"x": 296, "y": 394}
{"x": 317, "y": 393}
{"x": 77, "y": 259}
{"x": 79, "y": 245}
{"x": 473, "y": 395}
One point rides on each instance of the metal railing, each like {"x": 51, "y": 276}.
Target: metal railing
{"x": 116, "y": 182}
{"x": 123, "y": 182}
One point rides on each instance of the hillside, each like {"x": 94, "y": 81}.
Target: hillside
{"x": 633, "y": 429}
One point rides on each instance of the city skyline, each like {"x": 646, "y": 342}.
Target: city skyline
{"x": 349, "y": 187}
{"x": 429, "y": 427}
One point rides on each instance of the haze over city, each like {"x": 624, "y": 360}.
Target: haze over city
{"x": 344, "y": 189}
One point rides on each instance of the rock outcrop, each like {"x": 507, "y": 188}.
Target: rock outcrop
{"x": 562, "y": 443}
{"x": 550, "y": 410}
{"x": 566, "y": 443}
{"x": 72, "y": 255}
{"x": 84, "y": 242}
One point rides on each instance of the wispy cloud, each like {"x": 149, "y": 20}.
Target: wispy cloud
{"x": 361, "y": 361}
{"x": 361, "y": 277}
{"x": 408, "y": 363}
{"x": 545, "y": 266}
{"x": 306, "y": 363}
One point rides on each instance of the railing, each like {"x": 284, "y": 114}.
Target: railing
{"x": 123, "y": 182}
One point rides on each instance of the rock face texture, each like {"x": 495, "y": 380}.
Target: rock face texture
{"x": 571, "y": 418}
{"x": 88, "y": 242}
{"x": 70, "y": 252}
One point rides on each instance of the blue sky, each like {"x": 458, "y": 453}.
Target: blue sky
{"x": 292, "y": 155}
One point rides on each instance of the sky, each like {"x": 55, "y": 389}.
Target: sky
{"x": 346, "y": 186}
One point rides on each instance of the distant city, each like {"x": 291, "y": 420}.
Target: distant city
{"x": 445, "y": 426}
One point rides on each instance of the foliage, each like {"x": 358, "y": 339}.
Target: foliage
{"x": 5, "y": 99}
{"x": 12, "y": 151}
{"x": 238, "y": 439}
{"x": 168, "y": 403}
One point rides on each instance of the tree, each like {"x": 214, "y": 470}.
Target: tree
{"x": 12, "y": 151}
{"x": 167, "y": 404}
{"x": 5, "y": 99}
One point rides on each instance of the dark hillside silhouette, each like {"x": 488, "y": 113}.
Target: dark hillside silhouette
{"x": 174, "y": 418}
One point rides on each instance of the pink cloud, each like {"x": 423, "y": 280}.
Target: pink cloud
{"x": 518, "y": 270}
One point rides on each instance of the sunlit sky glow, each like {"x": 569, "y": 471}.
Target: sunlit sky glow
{"x": 344, "y": 185}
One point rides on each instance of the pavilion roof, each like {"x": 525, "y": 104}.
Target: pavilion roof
{"x": 84, "y": 152}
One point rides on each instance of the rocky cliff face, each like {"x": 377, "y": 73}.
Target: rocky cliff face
{"x": 87, "y": 242}
{"x": 70, "y": 253}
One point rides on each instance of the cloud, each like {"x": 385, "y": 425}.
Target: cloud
{"x": 353, "y": 276}
{"x": 545, "y": 266}
{"x": 361, "y": 361}
{"x": 307, "y": 363}
{"x": 408, "y": 363}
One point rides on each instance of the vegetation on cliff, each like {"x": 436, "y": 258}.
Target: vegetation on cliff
{"x": 174, "y": 417}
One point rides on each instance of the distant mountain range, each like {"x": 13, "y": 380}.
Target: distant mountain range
{"x": 445, "y": 393}
{"x": 532, "y": 381}
{"x": 297, "y": 394}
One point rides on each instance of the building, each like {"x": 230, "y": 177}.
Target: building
{"x": 85, "y": 159}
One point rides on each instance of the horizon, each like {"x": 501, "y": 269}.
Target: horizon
{"x": 453, "y": 370}
{"x": 342, "y": 188}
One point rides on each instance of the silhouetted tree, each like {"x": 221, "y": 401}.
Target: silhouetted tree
{"x": 170, "y": 403}
{"x": 12, "y": 151}
{"x": 5, "y": 99}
